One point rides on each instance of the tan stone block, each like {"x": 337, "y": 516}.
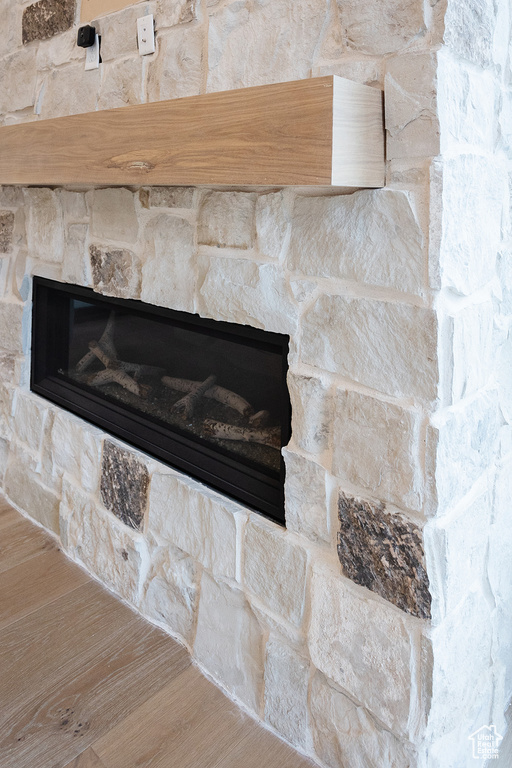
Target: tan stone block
{"x": 226, "y": 219}
{"x": 45, "y": 231}
{"x": 113, "y": 215}
{"x": 18, "y": 81}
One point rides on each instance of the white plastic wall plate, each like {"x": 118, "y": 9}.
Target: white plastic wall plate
{"x": 92, "y": 55}
{"x": 146, "y": 35}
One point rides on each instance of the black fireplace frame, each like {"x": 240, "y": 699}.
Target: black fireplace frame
{"x": 263, "y": 492}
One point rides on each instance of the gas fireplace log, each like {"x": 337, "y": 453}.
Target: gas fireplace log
{"x": 106, "y": 343}
{"x": 221, "y": 431}
{"x": 100, "y": 354}
{"x": 116, "y": 376}
{"x": 220, "y": 394}
{"x": 188, "y": 403}
{"x": 259, "y": 419}
{"x": 114, "y": 373}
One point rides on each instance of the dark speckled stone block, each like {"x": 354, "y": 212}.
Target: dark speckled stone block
{"x": 383, "y": 552}
{"x": 124, "y": 485}
{"x": 47, "y": 18}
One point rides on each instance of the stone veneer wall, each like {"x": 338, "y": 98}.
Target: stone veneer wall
{"x": 398, "y": 302}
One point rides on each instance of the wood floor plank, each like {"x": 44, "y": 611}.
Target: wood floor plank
{"x": 190, "y": 719}
{"x": 88, "y": 759}
{"x": 36, "y": 582}
{"x": 21, "y": 541}
{"x": 52, "y": 729}
{"x": 53, "y": 643}
{"x": 8, "y": 515}
{"x": 260, "y": 748}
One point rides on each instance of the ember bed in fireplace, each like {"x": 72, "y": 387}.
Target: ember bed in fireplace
{"x": 207, "y": 397}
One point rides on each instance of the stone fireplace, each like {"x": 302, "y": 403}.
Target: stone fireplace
{"x": 374, "y": 629}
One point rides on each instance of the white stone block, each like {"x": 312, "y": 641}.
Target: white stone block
{"x": 226, "y": 219}
{"x": 75, "y": 449}
{"x": 23, "y": 486}
{"x": 373, "y": 29}
{"x": 76, "y": 267}
{"x": 176, "y": 69}
{"x": 343, "y": 237}
{"x": 469, "y": 30}
{"x": 458, "y": 544}
{"x": 113, "y": 215}
{"x": 345, "y": 734}
{"x": 177, "y": 12}
{"x": 466, "y": 101}
{"x": 228, "y": 641}
{"x": 122, "y": 83}
{"x": 473, "y": 349}
{"x": 73, "y": 204}
{"x": 274, "y": 569}
{"x": 462, "y": 681}
{"x": 112, "y": 551}
{"x": 170, "y": 591}
{"x": 168, "y": 274}
{"x": 6, "y": 409}
{"x": 312, "y": 412}
{"x": 467, "y": 442}
{"x": 69, "y": 91}
{"x": 473, "y": 192}
{"x": 29, "y": 418}
{"x": 11, "y": 331}
{"x": 306, "y": 501}
{"x": 411, "y": 110}
{"x": 45, "y": 233}
{"x": 377, "y": 447}
{"x": 268, "y": 42}
{"x": 286, "y": 692}
{"x": 363, "y": 646}
{"x": 18, "y": 82}
{"x": 59, "y": 50}
{"x": 242, "y": 291}
{"x": 272, "y": 224}
{"x": 388, "y": 347}
{"x": 195, "y": 519}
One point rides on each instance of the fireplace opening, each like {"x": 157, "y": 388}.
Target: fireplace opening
{"x": 209, "y": 398}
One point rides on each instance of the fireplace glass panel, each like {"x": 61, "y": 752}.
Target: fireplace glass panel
{"x": 210, "y": 397}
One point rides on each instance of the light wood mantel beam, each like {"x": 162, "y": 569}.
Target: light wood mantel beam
{"x": 322, "y": 131}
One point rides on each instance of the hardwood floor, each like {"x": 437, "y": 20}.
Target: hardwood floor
{"x": 86, "y": 683}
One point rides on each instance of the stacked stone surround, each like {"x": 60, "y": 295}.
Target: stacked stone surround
{"x": 376, "y": 629}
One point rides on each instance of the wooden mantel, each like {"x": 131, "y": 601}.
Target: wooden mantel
{"x": 322, "y": 131}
